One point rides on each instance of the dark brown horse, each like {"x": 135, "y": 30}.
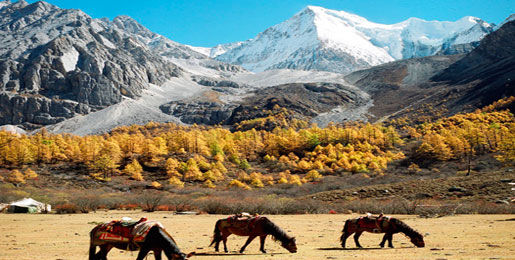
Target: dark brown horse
{"x": 157, "y": 240}
{"x": 380, "y": 224}
{"x": 252, "y": 227}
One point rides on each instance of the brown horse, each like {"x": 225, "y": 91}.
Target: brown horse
{"x": 380, "y": 224}
{"x": 251, "y": 227}
{"x": 157, "y": 240}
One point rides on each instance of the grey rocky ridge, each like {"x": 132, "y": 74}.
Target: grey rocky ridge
{"x": 56, "y": 63}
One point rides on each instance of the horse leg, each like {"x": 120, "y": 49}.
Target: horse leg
{"x": 217, "y": 244}
{"x": 356, "y": 237}
{"x": 142, "y": 253}
{"x": 390, "y": 238}
{"x": 224, "y": 239}
{"x": 384, "y": 240}
{"x": 247, "y": 243}
{"x": 344, "y": 237}
{"x": 157, "y": 254}
{"x": 262, "y": 246}
{"x": 104, "y": 250}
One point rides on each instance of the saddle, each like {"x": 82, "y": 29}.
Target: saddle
{"x": 376, "y": 224}
{"x": 125, "y": 231}
{"x": 243, "y": 220}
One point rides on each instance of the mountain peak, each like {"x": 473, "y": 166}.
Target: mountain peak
{"x": 128, "y": 24}
{"x": 317, "y": 38}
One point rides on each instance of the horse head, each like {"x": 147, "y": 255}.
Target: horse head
{"x": 418, "y": 240}
{"x": 290, "y": 245}
{"x": 182, "y": 256}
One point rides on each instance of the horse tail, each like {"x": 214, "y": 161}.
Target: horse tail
{"x": 344, "y": 230}
{"x": 217, "y": 234}
{"x": 92, "y": 246}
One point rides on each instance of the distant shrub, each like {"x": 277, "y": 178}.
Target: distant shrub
{"x": 86, "y": 203}
{"x": 150, "y": 200}
{"x": 238, "y": 184}
{"x": 67, "y": 208}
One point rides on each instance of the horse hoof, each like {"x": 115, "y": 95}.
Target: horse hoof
{"x": 263, "y": 251}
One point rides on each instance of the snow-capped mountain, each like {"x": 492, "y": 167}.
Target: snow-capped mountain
{"x": 321, "y": 39}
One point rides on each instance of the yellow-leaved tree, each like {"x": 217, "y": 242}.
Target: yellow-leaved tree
{"x": 30, "y": 174}
{"x": 16, "y": 177}
{"x": 107, "y": 159}
{"x": 134, "y": 170}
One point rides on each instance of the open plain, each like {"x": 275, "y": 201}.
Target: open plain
{"x": 53, "y": 236}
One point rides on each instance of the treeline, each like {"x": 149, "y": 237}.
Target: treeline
{"x": 214, "y": 156}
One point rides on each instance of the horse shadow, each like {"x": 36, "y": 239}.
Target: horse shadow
{"x": 236, "y": 254}
{"x": 348, "y": 249}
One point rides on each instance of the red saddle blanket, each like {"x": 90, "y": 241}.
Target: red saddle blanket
{"x": 116, "y": 231}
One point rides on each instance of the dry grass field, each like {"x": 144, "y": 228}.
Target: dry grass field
{"x": 454, "y": 237}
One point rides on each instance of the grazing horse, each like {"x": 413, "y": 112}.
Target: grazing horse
{"x": 380, "y": 224}
{"x": 252, "y": 227}
{"x": 155, "y": 239}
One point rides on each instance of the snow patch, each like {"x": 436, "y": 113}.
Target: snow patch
{"x": 202, "y": 50}
{"x": 4, "y": 3}
{"x": 70, "y": 59}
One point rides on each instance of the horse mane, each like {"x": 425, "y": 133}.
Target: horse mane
{"x": 275, "y": 231}
{"x": 404, "y": 228}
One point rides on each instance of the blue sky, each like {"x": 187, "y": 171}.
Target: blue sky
{"x": 210, "y": 22}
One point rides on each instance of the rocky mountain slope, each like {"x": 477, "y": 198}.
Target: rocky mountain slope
{"x": 56, "y": 64}
{"x": 305, "y": 100}
{"x": 454, "y": 83}
{"x": 485, "y": 74}
{"x": 322, "y": 39}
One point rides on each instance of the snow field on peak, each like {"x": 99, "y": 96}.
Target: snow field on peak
{"x": 322, "y": 39}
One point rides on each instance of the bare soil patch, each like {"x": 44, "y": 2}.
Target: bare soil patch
{"x": 453, "y": 237}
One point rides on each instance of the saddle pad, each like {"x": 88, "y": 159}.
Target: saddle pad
{"x": 114, "y": 232}
{"x": 140, "y": 231}
{"x": 113, "y": 237}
